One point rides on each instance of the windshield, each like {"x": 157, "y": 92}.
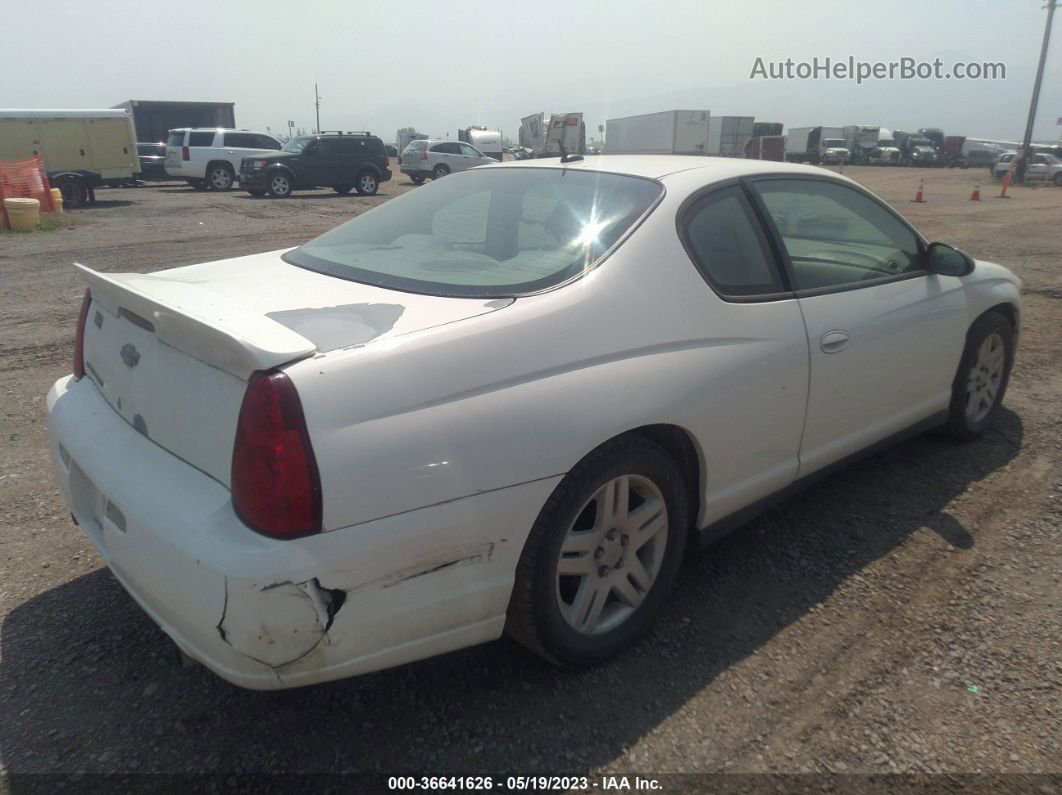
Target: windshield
{"x": 835, "y": 143}
{"x": 296, "y": 145}
{"x": 485, "y": 233}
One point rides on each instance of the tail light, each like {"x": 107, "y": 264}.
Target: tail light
{"x": 185, "y": 154}
{"x": 79, "y": 337}
{"x": 387, "y": 161}
{"x": 424, "y": 153}
{"x": 276, "y": 488}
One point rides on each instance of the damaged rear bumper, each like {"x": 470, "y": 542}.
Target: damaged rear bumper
{"x": 269, "y": 614}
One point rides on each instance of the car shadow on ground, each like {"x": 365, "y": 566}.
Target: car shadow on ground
{"x": 83, "y": 669}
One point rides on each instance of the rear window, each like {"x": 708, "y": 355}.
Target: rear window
{"x": 416, "y": 146}
{"x": 490, "y": 234}
{"x": 176, "y": 138}
{"x": 201, "y": 139}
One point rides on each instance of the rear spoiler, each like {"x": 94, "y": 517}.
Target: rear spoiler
{"x": 206, "y": 325}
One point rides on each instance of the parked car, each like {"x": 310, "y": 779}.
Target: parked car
{"x": 391, "y": 151}
{"x": 427, "y": 158}
{"x": 152, "y": 161}
{"x": 518, "y": 152}
{"x": 341, "y": 161}
{"x": 404, "y": 437}
{"x": 210, "y": 159}
{"x": 1002, "y": 165}
{"x": 1044, "y": 168}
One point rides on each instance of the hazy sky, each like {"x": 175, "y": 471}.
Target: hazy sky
{"x": 443, "y": 65}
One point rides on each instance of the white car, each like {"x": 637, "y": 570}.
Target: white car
{"x": 503, "y": 402}
{"x": 424, "y": 159}
{"x": 209, "y": 159}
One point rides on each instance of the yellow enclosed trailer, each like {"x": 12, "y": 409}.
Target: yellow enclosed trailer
{"x": 81, "y": 149}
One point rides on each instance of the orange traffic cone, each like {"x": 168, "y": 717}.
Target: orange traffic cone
{"x": 976, "y": 195}
{"x": 1006, "y": 184}
{"x": 919, "y": 196}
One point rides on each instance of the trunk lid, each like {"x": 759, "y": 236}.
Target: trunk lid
{"x": 171, "y": 352}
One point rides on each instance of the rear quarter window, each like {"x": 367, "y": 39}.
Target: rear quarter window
{"x": 175, "y": 139}
{"x": 201, "y": 139}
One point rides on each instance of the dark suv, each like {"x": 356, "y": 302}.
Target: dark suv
{"x": 340, "y": 161}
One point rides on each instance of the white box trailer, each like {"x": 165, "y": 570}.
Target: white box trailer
{"x": 81, "y": 149}
{"x": 809, "y": 145}
{"x": 669, "y": 132}
{"x": 727, "y": 135}
{"x": 489, "y": 142}
{"x": 546, "y": 133}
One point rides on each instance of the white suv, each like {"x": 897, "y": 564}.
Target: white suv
{"x": 210, "y": 158}
{"x": 435, "y": 159}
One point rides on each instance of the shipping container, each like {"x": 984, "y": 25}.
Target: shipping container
{"x": 766, "y": 147}
{"x": 727, "y": 135}
{"x": 669, "y": 132}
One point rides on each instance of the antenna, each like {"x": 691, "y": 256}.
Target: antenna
{"x": 317, "y": 104}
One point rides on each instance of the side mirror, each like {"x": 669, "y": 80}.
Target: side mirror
{"x": 944, "y": 260}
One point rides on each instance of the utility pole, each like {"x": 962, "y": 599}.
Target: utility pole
{"x": 1023, "y": 163}
{"x": 317, "y": 98}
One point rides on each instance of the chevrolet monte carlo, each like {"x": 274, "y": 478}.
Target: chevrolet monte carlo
{"x": 506, "y": 401}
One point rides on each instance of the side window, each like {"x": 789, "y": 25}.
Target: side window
{"x": 468, "y": 150}
{"x": 728, "y": 245}
{"x": 201, "y": 139}
{"x": 836, "y": 235}
{"x": 237, "y": 140}
{"x": 265, "y": 142}
{"x": 328, "y": 146}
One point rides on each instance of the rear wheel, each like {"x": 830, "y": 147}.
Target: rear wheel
{"x": 367, "y": 184}
{"x": 981, "y": 380}
{"x": 220, "y": 176}
{"x": 417, "y": 180}
{"x": 280, "y": 185}
{"x": 440, "y": 171}
{"x": 601, "y": 556}
{"x": 75, "y": 192}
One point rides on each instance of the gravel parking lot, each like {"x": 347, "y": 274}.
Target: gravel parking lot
{"x": 900, "y": 616}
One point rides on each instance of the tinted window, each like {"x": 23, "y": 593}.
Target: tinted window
{"x": 264, "y": 142}
{"x": 468, "y": 150}
{"x": 201, "y": 139}
{"x": 151, "y": 149}
{"x": 727, "y": 244}
{"x": 489, "y": 233}
{"x": 836, "y": 235}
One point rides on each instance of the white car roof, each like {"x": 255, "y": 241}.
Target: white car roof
{"x": 659, "y": 166}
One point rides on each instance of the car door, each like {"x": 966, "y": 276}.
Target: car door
{"x": 315, "y": 163}
{"x": 471, "y": 157}
{"x": 755, "y": 399}
{"x": 884, "y": 336}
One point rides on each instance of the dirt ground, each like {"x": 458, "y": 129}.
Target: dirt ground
{"x": 904, "y": 615}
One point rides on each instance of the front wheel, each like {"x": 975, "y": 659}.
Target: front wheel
{"x": 601, "y": 556}
{"x": 367, "y": 184}
{"x": 440, "y": 171}
{"x": 417, "y": 180}
{"x": 982, "y": 377}
{"x": 280, "y": 185}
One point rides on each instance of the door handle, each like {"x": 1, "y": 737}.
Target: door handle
{"x": 834, "y": 341}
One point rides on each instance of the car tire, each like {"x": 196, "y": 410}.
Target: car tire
{"x": 220, "y": 177}
{"x": 597, "y": 610}
{"x": 279, "y": 185}
{"x": 342, "y": 190}
{"x": 74, "y": 191}
{"x": 440, "y": 171}
{"x": 417, "y": 180}
{"x": 367, "y": 184}
{"x": 981, "y": 380}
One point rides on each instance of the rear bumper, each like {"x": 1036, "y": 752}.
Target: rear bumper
{"x": 410, "y": 171}
{"x": 269, "y": 614}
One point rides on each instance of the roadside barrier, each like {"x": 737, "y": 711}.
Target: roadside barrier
{"x": 919, "y": 196}
{"x": 24, "y": 179}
